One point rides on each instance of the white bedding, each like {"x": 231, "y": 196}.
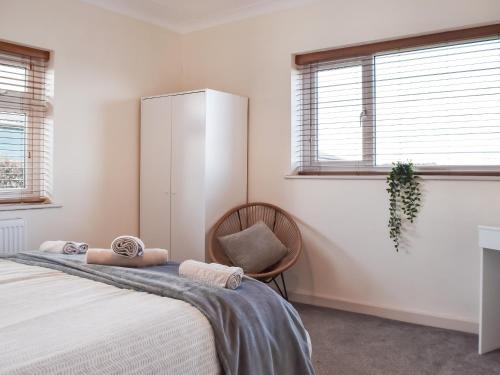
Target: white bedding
{"x": 54, "y": 323}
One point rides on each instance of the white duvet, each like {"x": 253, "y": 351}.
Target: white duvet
{"x": 54, "y": 323}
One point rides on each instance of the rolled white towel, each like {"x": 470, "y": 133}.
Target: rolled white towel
{"x": 212, "y": 274}
{"x": 128, "y": 246}
{"x": 64, "y": 247}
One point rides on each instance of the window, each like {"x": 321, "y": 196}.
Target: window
{"x": 25, "y": 132}
{"x": 437, "y": 105}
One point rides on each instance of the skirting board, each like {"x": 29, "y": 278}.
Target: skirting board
{"x": 388, "y": 313}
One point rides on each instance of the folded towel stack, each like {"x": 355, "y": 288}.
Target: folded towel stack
{"x": 64, "y": 247}
{"x": 212, "y": 274}
{"x": 107, "y": 257}
{"x": 128, "y": 246}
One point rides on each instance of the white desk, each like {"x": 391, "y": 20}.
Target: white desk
{"x": 489, "y": 304}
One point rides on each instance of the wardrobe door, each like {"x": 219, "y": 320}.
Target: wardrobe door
{"x": 156, "y": 140}
{"x": 188, "y": 171}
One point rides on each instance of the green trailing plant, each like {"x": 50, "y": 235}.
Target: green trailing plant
{"x": 404, "y": 198}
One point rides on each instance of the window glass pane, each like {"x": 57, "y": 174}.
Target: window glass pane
{"x": 12, "y": 78}
{"x": 339, "y": 105}
{"x": 439, "y": 106}
{"x": 12, "y": 150}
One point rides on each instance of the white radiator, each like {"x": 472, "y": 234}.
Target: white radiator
{"x": 12, "y": 236}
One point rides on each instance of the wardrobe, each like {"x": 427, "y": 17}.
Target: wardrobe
{"x": 193, "y": 167}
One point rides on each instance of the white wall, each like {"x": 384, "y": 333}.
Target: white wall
{"x": 103, "y": 63}
{"x": 348, "y": 255}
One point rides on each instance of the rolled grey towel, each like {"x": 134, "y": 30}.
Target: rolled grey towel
{"x": 128, "y": 246}
{"x": 64, "y": 247}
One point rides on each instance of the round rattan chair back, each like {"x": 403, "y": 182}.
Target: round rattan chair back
{"x": 246, "y": 215}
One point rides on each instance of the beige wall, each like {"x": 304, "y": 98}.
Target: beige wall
{"x": 348, "y": 255}
{"x": 103, "y": 63}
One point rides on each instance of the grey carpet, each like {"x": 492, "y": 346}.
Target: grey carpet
{"x": 354, "y": 344}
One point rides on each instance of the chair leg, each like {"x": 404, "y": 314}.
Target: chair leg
{"x": 281, "y": 290}
{"x": 284, "y": 284}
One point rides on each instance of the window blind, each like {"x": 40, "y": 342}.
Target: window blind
{"x": 25, "y": 127}
{"x": 436, "y": 105}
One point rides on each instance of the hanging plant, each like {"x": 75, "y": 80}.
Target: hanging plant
{"x": 404, "y": 198}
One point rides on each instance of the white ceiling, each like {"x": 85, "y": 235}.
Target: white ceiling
{"x": 190, "y": 15}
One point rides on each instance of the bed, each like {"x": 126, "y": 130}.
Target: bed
{"x": 55, "y": 318}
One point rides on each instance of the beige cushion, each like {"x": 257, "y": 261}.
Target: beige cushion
{"x": 253, "y": 249}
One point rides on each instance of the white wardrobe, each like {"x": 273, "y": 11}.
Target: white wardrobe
{"x": 193, "y": 167}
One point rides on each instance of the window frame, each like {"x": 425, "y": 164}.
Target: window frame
{"x": 366, "y": 122}
{"x": 6, "y": 192}
{"x": 29, "y": 172}
{"x": 35, "y": 87}
{"x": 367, "y": 53}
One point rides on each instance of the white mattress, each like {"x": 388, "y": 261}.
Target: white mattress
{"x": 54, "y": 323}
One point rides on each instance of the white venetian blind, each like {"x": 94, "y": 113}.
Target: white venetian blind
{"x": 436, "y": 105}
{"x": 25, "y": 127}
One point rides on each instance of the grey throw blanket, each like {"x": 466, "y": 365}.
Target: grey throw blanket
{"x": 256, "y": 331}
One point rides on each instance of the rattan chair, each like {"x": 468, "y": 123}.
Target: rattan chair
{"x": 279, "y": 221}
